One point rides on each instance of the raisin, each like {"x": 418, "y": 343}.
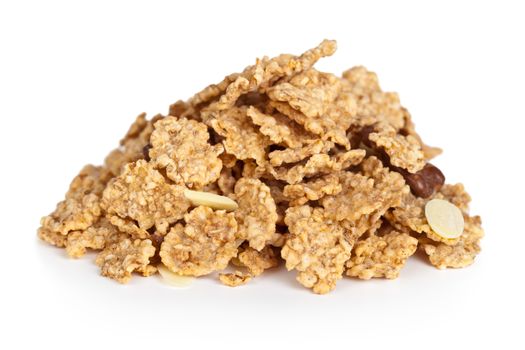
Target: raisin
{"x": 425, "y": 182}
{"x": 145, "y": 152}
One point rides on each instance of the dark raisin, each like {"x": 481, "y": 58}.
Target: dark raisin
{"x": 145, "y": 152}
{"x": 425, "y": 182}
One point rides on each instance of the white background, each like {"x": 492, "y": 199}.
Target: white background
{"x": 74, "y": 75}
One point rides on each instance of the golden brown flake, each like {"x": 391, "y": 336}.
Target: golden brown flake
{"x": 365, "y": 198}
{"x": 357, "y": 198}
{"x": 94, "y": 237}
{"x": 141, "y": 198}
{"x": 81, "y": 207}
{"x": 234, "y": 279}
{"x": 313, "y": 190}
{"x": 280, "y": 128}
{"x": 257, "y": 213}
{"x": 180, "y": 109}
{"x": 317, "y": 248}
{"x": 456, "y": 195}
{"x": 257, "y": 261}
{"x": 460, "y": 254}
{"x": 403, "y": 151}
{"x": 119, "y": 260}
{"x": 132, "y": 146}
{"x": 294, "y": 155}
{"x": 181, "y": 147}
{"x": 54, "y": 238}
{"x": 266, "y": 72}
{"x": 318, "y": 96}
{"x": 374, "y": 105}
{"x": 205, "y": 244}
{"x": 318, "y": 164}
{"x": 211, "y": 92}
{"x": 381, "y": 256}
{"x": 242, "y": 139}
{"x": 376, "y": 188}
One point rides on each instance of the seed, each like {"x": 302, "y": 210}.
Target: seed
{"x": 444, "y": 218}
{"x": 173, "y": 279}
{"x": 210, "y": 200}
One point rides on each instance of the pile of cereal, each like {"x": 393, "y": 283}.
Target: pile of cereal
{"x": 279, "y": 162}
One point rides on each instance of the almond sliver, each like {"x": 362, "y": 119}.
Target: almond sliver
{"x": 444, "y": 218}
{"x": 173, "y": 279}
{"x": 211, "y": 200}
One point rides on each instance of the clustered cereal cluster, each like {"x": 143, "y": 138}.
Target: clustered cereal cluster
{"x": 325, "y": 173}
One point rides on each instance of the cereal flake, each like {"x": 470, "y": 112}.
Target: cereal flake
{"x": 234, "y": 279}
{"x": 141, "y": 198}
{"x": 181, "y": 147}
{"x": 206, "y": 243}
{"x": 257, "y": 213}
{"x": 317, "y": 248}
{"x": 120, "y": 259}
{"x": 381, "y": 256}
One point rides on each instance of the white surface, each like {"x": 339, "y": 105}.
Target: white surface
{"x": 73, "y": 76}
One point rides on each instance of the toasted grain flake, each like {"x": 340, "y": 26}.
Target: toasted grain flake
{"x": 403, "y": 151}
{"x": 316, "y": 248}
{"x": 325, "y": 109}
{"x": 263, "y": 74}
{"x": 313, "y": 190}
{"x": 120, "y": 259}
{"x": 373, "y": 104}
{"x": 241, "y": 138}
{"x": 376, "y": 189}
{"x": 211, "y": 200}
{"x": 381, "y": 256}
{"x": 318, "y": 164}
{"x": 94, "y": 237}
{"x": 257, "y": 261}
{"x": 294, "y": 155}
{"x": 462, "y": 253}
{"x": 257, "y": 213}
{"x": 81, "y": 207}
{"x": 279, "y": 128}
{"x": 206, "y": 243}
{"x": 234, "y": 279}
{"x": 140, "y": 198}
{"x": 132, "y": 145}
{"x": 365, "y": 198}
{"x": 54, "y": 238}
{"x": 181, "y": 147}
{"x": 211, "y": 92}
